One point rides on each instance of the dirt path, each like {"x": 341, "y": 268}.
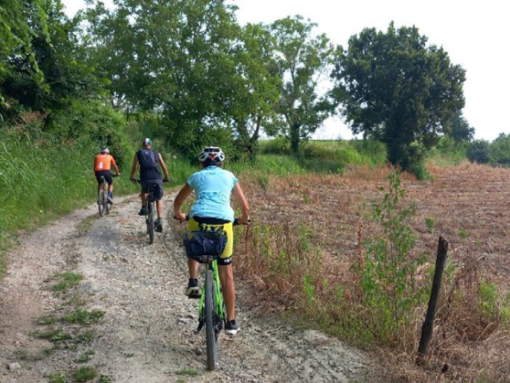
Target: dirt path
{"x": 146, "y": 332}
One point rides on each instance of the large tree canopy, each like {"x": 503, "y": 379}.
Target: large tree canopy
{"x": 305, "y": 60}
{"x": 19, "y": 21}
{"x": 174, "y": 57}
{"x": 395, "y": 88}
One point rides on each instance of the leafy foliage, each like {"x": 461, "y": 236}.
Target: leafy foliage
{"x": 397, "y": 90}
{"x": 459, "y": 129}
{"x": 16, "y": 36}
{"x": 173, "y": 57}
{"x": 48, "y": 68}
{"x": 500, "y": 150}
{"x": 478, "y": 151}
{"x": 304, "y": 60}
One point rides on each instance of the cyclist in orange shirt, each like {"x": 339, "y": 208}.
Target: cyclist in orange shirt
{"x": 102, "y": 164}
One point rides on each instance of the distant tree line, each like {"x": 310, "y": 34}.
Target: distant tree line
{"x": 191, "y": 72}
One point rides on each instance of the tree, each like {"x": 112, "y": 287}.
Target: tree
{"x": 50, "y": 67}
{"x": 175, "y": 58}
{"x": 499, "y": 149}
{"x": 478, "y": 151}
{"x": 397, "y": 90}
{"x": 17, "y": 19}
{"x": 305, "y": 61}
{"x": 256, "y": 86}
{"x": 459, "y": 129}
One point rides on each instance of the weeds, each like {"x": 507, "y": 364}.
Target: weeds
{"x": 67, "y": 280}
{"x": 430, "y": 224}
{"x": 85, "y": 357}
{"x": 83, "y": 317}
{"x": 84, "y": 374}
{"x": 387, "y": 274}
{"x": 57, "y": 378}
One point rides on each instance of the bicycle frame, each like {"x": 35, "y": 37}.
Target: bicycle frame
{"x": 219, "y": 305}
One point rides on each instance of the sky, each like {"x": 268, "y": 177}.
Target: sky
{"x": 474, "y": 33}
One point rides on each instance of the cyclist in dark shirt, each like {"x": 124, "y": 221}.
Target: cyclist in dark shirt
{"x": 150, "y": 163}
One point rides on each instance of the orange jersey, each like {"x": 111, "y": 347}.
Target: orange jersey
{"x": 103, "y": 162}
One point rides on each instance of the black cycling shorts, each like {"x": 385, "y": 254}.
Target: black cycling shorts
{"x": 157, "y": 190}
{"x": 106, "y": 174}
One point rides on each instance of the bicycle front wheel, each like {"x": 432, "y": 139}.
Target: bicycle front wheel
{"x": 101, "y": 202}
{"x": 150, "y": 222}
{"x": 210, "y": 330}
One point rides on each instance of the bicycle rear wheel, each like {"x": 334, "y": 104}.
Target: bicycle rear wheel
{"x": 150, "y": 222}
{"x": 107, "y": 205}
{"x": 210, "y": 328}
{"x": 101, "y": 202}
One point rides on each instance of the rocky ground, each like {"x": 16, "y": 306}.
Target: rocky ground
{"x": 146, "y": 331}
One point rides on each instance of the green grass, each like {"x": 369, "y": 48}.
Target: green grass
{"x": 187, "y": 372}
{"x": 84, "y": 374}
{"x": 67, "y": 280}
{"x": 83, "y": 317}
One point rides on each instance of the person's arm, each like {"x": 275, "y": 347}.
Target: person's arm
{"x": 184, "y": 193}
{"x": 115, "y": 166}
{"x": 163, "y": 166}
{"x": 242, "y": 203}
{"x": 134, "y": 167}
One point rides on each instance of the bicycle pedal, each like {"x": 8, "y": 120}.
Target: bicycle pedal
{"x": 194, "y": 296}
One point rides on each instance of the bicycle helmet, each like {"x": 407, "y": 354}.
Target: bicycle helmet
{"x": 212, "y": 155}
{"x": 147, "y": 142}
{"x": 105, "y": 150}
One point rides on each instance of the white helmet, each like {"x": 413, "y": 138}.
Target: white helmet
{"x": 105, "y": 150}
{"x": 212, "y": 153}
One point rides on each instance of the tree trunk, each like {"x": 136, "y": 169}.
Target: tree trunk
{"x": 294, "y": 137}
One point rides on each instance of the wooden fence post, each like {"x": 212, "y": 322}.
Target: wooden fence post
{"x": 428, "y": 324}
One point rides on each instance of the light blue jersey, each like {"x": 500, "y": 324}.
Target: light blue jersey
{"x": 213, "y": 186}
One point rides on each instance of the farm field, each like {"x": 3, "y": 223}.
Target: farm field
{"x": 467, "y": 205}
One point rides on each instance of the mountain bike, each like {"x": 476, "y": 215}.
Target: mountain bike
{"x": 150, "y": 208}
{"x": 205, "y": 247}
{"x": 103, "y": 205}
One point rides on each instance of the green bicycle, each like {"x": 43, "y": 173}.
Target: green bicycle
{"x": 211, "y": 307}
{"x": 205, "y": 247}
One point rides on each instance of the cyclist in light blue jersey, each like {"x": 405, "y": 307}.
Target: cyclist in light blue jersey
{"x": 213, "y": 187}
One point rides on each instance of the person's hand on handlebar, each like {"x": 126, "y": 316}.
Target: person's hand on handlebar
{"x": 180, "y": 216}
{"x": 242, "y": 220}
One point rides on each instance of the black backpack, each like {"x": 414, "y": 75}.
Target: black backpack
{"x": 148, "y": 158}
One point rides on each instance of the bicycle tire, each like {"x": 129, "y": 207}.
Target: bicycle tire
{"x": 100, "y": 202}
{"x": 150, "y": 223}
{"x": 107, "y": 205}
{"x": 210, "y": 328}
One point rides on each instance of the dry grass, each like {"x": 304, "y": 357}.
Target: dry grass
{"x": 467, "y": 205}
